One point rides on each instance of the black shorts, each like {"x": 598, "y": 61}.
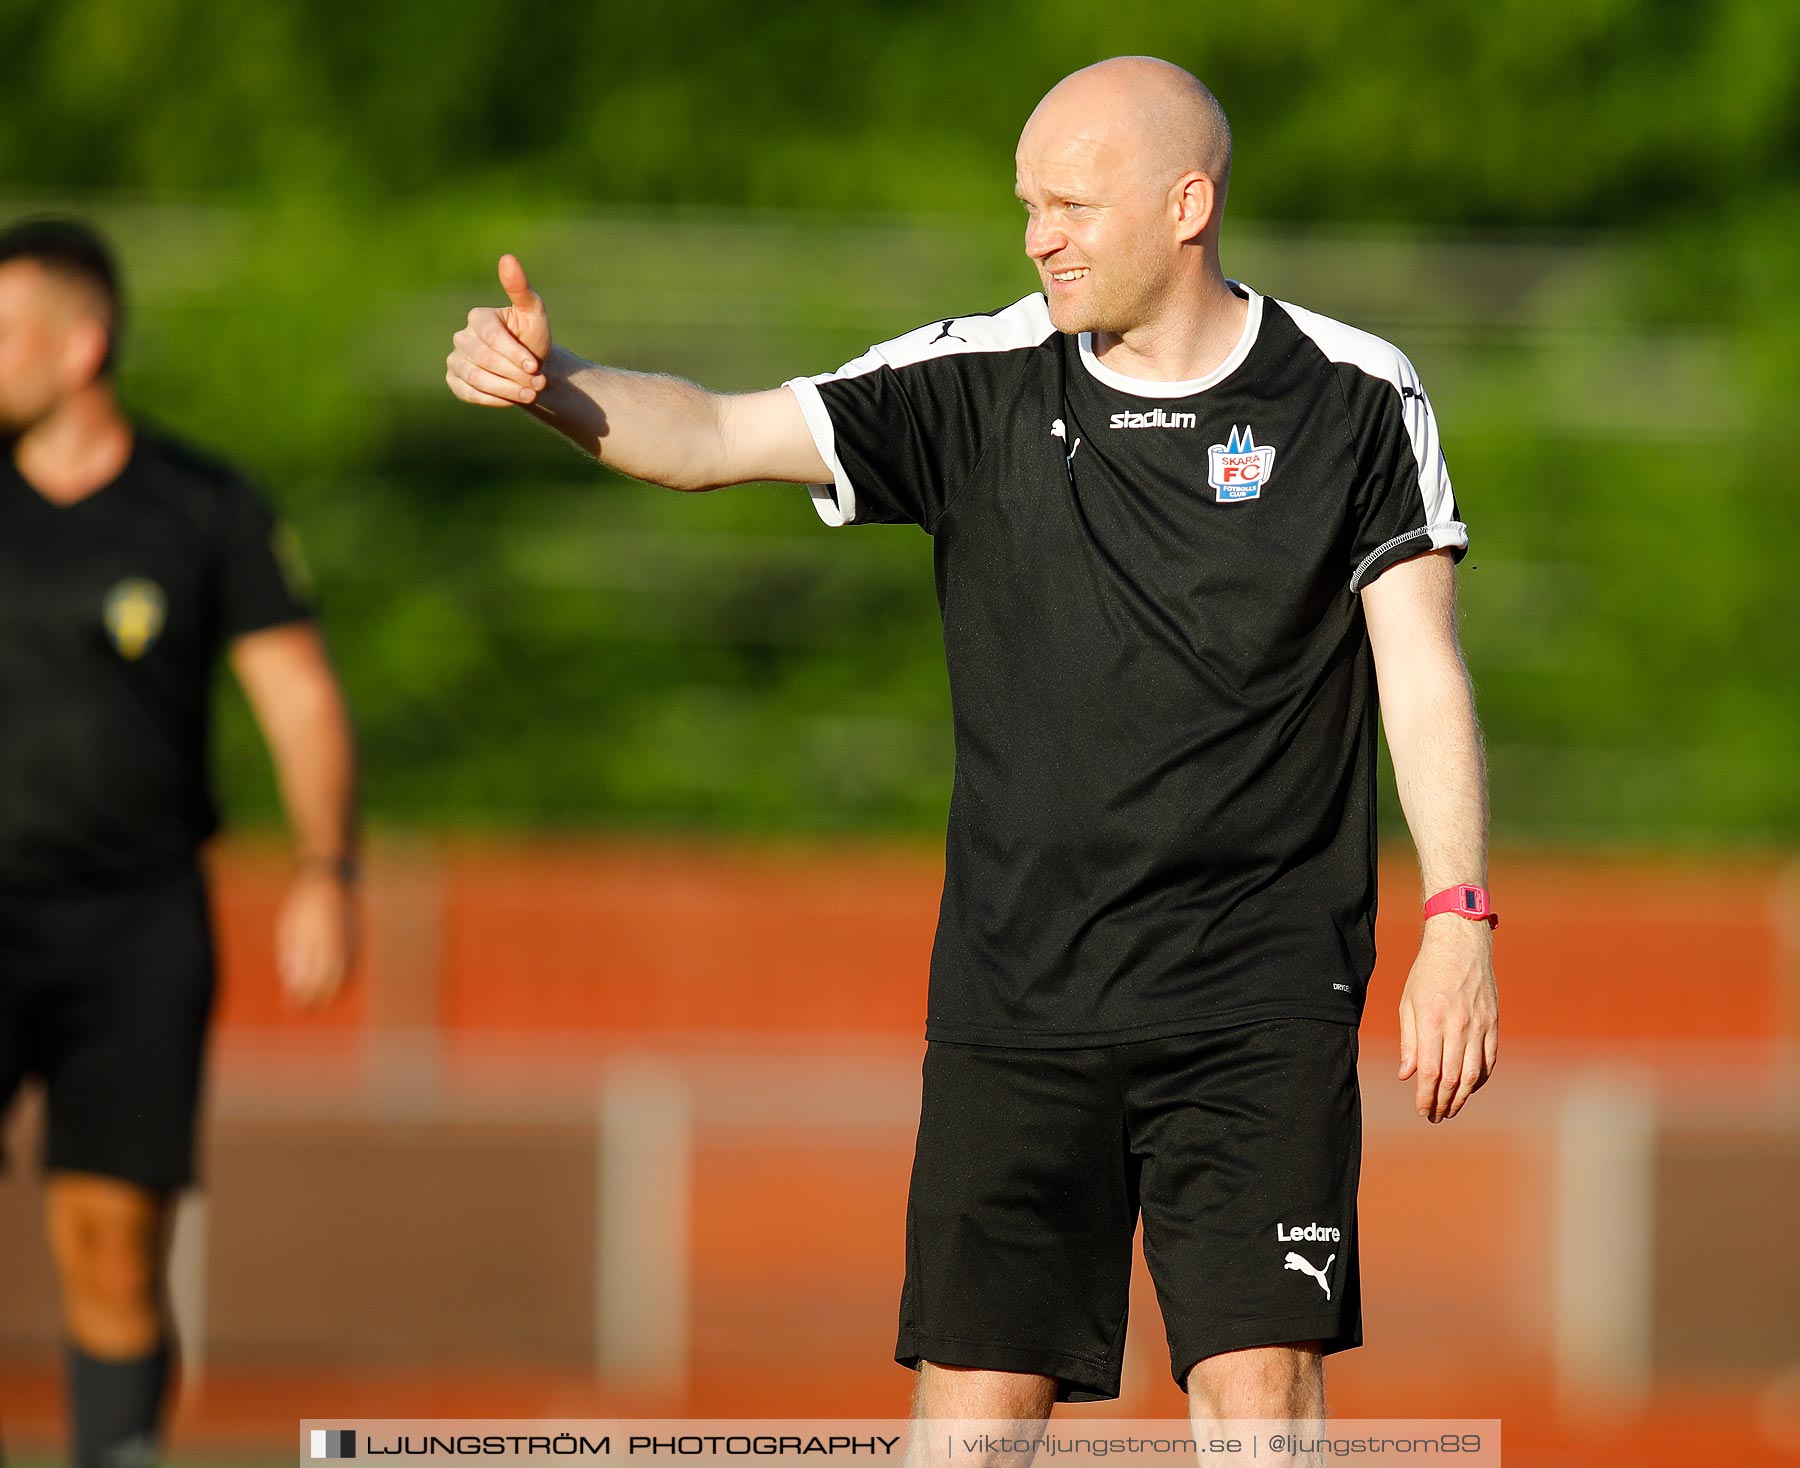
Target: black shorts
{"x": 1241, "y": 1147}
{"x": 104, "y": 996}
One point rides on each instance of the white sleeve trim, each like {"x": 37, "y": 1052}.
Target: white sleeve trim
{"x": 835, "y": 502}
{"x": 1370, "y": 354}
{"x": 1445, "y": 533}
{"x": 1025, "y": 323}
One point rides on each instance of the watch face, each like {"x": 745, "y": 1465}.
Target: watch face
{"x": 1474, "y": 901}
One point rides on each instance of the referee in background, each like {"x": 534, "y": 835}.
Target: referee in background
{"x": 128, "y": 562}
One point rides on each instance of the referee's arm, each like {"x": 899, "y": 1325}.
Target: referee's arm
{"x": 649, "y": 426}
{"x": 1449, "y": 1012}
{"x": 293, "y": 692}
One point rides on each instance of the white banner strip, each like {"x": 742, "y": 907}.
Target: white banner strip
{"x": 1387, "y": 1442}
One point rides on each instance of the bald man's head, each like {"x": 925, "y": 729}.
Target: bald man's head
{"x": 1166, "y": 119}
{"x": 1123, "y": 167}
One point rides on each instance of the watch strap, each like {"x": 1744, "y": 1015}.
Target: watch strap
{"x": 1465, "y": 900}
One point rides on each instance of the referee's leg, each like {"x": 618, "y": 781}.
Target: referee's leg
{"x": 132, "y": 983}
{"x": 109, "y": 1240}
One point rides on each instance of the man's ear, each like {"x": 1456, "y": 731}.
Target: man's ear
{"x": 1195, "y": 201}
{"x": 84, "y": 351}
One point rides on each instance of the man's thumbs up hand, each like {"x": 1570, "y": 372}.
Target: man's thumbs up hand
{"x": 497, "y": 360}
{"x": 530, "y": 322}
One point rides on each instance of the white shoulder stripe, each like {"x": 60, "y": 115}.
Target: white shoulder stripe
{"x": 1025, "y": 323}
{"x": 1350, "y": 345}
{"x": 1370, "y": 354}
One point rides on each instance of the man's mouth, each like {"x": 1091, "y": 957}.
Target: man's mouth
{"x": 1065, "y": 277}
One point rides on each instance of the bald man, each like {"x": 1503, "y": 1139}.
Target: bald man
{"x": 128, "y": 565}
{"x": 1181, "y": 532}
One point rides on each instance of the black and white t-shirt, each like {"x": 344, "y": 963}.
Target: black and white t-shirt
{"x": 1163, "y": 817}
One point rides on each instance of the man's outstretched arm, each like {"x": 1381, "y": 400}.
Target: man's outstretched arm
{"x": 651, "y": 427}
{"x": 1449, "y": 1012}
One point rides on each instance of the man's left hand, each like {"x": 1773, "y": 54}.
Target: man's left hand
{"x": 1450, "y": 1015}
{"x": 315, "y": 937}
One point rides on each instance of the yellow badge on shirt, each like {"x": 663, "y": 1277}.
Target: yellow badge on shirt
{"x": 292, "y": 561}
{"x": 134, "y": 612}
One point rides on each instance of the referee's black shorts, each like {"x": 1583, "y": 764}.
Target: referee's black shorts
{"x": 1241, "y": 1146}
{"x": 105, "y": 993}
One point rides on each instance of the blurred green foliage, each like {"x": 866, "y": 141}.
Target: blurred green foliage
{"x": 1578, "y": 218}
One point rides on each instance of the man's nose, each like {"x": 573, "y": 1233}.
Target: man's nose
{"x": 1042, "y": 239}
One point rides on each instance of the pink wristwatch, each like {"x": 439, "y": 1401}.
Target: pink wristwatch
{"x": 1466, "y": 901}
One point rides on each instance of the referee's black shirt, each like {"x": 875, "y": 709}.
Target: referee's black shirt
{"x": 1163, "y": 817}
{"x": 113, "y": 611}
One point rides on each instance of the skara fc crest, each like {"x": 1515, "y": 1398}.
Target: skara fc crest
{"x": 1237, "y": 468}
{"x": 134, "y": 612}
